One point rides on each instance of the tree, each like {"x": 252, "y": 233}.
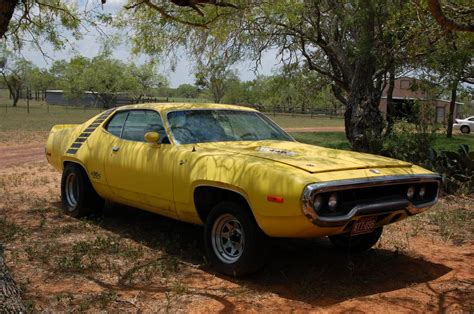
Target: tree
{"x": 450, "y": 63}
{"x": 143, "y": 80}
{"x": 71, "y": 76}
{"x": 41, "y": 80}
{"x": 102, "y": 76}
{"x": 43, "y": 18}
{"x": 215, "y": 77}
{"x": 105, "y": 78}
{"x": 352, "y": 44}
{"x": 186, "y": 91}
{"x": 444, "y": 56}
{"x": 15, "y": 73}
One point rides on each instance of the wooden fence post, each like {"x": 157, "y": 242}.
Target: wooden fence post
{"x": 28, "y": 100}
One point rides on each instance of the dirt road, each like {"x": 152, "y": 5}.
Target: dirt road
{"x": 12, "y": 155}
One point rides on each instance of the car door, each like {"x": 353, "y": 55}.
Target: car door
{"x": 140, "y": 173}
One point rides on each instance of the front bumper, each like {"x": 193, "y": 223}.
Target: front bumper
{"x": 378, "y": 207}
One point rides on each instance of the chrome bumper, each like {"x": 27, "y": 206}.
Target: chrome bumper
{"x": 380, "y": 207}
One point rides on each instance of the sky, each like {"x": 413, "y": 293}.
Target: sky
{"x": 89, "y": 46}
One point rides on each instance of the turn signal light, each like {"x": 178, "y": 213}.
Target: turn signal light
{"x": 275, "y": 199}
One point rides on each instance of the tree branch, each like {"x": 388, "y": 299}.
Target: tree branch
{"x": 445, "y": 22}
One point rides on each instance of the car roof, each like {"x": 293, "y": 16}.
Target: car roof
{"x": 164, "y": 107}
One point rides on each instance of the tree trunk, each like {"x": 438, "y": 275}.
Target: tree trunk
{"x": 10, "y": 294}
{"x": 7, "y": 7}
{"x": 363, "y": 121}
{"x": 391, "y": 87}
{"x": 16, "y": 97}
{"x": 452, "y": 105}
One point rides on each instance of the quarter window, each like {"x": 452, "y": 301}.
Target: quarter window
{"x": 115, "y": 125}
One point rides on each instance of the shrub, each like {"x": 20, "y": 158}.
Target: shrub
{"x": 411, "y": 142}
{"x": 456, "y": 169}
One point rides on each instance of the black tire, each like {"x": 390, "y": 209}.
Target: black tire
{"x": 357, "y": 243}
{"x": 84, "y": 200}
{"x": 465, "y": 129}
{"x": 251, "y": 257}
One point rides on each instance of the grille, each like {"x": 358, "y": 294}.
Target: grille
{"x": 347, "y": 199}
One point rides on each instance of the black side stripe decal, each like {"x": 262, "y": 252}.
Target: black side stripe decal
{"x": 88, "y": 131}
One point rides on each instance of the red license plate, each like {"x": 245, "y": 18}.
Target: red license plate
{"x": 364, "y": 225}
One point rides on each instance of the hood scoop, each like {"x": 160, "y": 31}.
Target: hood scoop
{"x": 278, "y": 151}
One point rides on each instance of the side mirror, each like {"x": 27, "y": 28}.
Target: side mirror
{"x": 152, "y": 137}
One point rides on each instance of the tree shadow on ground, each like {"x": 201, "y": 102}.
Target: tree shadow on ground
{"x": 309, "y": 271}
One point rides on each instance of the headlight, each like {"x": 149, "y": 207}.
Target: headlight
{"x": 422, "y": 192}
{"x": 332, "y": 203}
{"x": 317, "y": 203}
{"x": 411, "y": 192}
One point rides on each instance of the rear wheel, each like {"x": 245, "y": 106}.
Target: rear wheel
{"x": 78, "y": 197}
{"x": 356, "y": 243}
{"x": 465, "y": 129}
{"x": 234, "y": 243}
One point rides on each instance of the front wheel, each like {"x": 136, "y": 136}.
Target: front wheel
{"x": 465, "y": 129}
{"x": 234, "y": 243}
{"x": 78, "y": 197}
{"x": 356, "y": 243}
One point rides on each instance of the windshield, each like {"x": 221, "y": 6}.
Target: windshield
{"x": 200, "y": 126}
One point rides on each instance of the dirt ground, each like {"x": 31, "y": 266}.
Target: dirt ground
{"x": 130, "y": 260}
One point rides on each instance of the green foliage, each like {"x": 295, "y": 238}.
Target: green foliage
{"x": 457, "y": 169}
{"x": 415, "y": 143}
{"x": 38, "y": 22}
{"x": 215, "y": 77}
{"x": 17, "y": 73}
{"x": 411, "y": 142}
{"x": 105, "y": 78}
{"x": 185, "y": 91}
{"x": 143, "y": 79}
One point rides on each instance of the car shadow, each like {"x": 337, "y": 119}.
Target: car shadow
{"x": 310, "y": 271}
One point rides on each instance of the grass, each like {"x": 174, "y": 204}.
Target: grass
{"x": 338, "y": 140}
{"x": 298, "y": 121}
{"x": 42, "y": 116}
{"x": 326, "y": 139}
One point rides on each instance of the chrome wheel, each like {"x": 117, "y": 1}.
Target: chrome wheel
{"x": 72, "y": 190}
{"x": 228, "y": 238}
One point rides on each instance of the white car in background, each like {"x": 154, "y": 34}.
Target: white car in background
{"x": 465, "y": 125}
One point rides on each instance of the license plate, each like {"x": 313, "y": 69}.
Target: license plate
{"x": 364, "y": 225}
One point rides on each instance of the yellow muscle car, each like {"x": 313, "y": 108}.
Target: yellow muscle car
{"x": 236, "y": 172}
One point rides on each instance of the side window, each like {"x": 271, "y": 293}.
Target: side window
{"x": 116, "y": 123}
{"x": 140, "y": 122}
{"x": 472, "y": 119}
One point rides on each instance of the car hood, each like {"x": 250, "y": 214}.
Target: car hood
{"x": 313, "y": 159}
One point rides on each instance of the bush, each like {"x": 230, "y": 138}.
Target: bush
{"x": 456, "y": 169}
{"x": 411, "y": 142}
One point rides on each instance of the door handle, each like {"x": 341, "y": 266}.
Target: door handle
{"x": 115, "y": 149}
